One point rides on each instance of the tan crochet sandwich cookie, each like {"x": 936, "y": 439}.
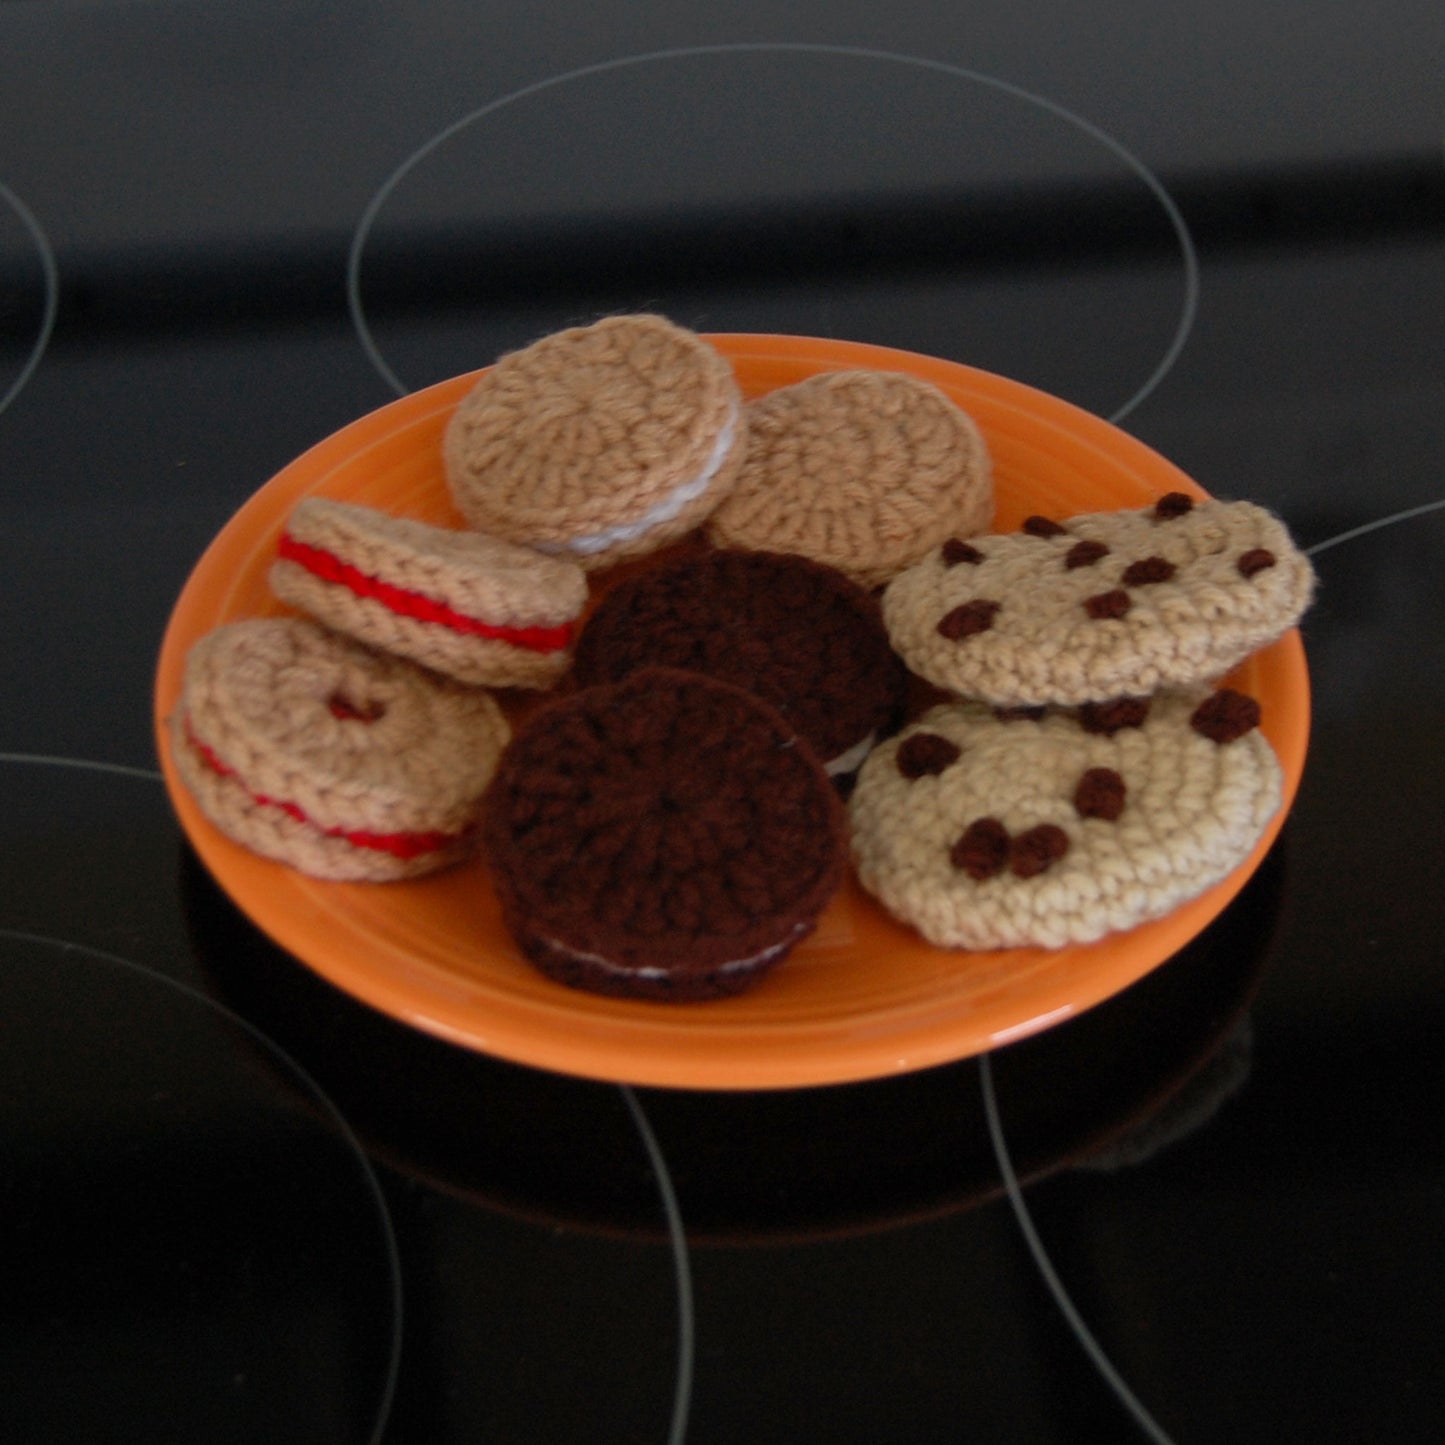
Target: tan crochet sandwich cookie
{"x": 345, "y": 763}
{"x": 983, "y": 831}
{"x": 600, "y": 442}
{"x": 865, "y": 471}
{"x": 1103, "y": 605}
{"x": 479, "y": 609}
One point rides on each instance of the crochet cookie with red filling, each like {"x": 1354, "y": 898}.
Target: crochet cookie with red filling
{"x": 864, "y": 471}
{"x": 1102, "y": 605}
{"x": 798, "y": 634}
{"x": 315, "y": 751}
{"x": 600, "y": 442}
{"x": 479, "y": 609}
{"x": 983, "y": 830}
{"x": 665, "y": 837}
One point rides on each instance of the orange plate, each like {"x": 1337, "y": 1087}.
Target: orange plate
{"x": 864, "y": 997}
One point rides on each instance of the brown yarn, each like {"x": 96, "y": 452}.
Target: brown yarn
{"x": 1037, "y": 526}
{"x": 1225, "y": 716}
{"x": 1109, "y": 717}
{"x": 1100, "y": 794}
{"x": 1045, "y": 833}
{"x": 865, "y": 471}
{"x": 599, "y": 442}
{"x": 802, "y": 636}
{"x": 482, "y": 579}
{"x": 1174, "y": 610}
{"x": 1108, "y": 606}
{"x": 925, "y": 755}
{"x": 1173, "y": 505}
{"x": 668, "y": 836}
{"x": 1084, "y": 554}
{"x": 344, "y": 763}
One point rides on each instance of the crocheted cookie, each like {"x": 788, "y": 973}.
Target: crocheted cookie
{"x": 666, "y": 837}
{"x": 1103, "y": 605}
{"x": 315, "y": 751}
{"x": 987, "y": 831}
{"x": 798, "y": 634}
{"x": 600, "y": 442}
{"x": 476, "y": 608}
{"x": 863, "y": 470}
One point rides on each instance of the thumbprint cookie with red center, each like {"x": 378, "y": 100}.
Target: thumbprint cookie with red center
{"x": 345, "y": 763}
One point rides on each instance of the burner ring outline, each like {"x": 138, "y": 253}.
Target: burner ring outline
{"x": 1189, "y": 303}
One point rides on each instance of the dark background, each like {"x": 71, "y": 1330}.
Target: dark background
{"x": 237, "y": 1206}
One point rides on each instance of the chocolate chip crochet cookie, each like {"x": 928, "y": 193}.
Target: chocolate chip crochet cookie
{"x": 600, "y": 442}
{"x": 345, "y": 763}
{"x": 666, "y": 837}
{"x": 983, "y": 831}
{"x": 1101, "y": 605}
{"x": 797, "y": 634}
{"x": 476, "y": 608}
{"x": 865, "y": 471}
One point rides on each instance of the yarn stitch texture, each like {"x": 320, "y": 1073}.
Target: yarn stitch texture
{"x": 309, "y": 748}
{"x": 515, "y": 610}
{"x": 986, "y": 832}
{"x": 665, "y": 837}
{"x": 599, "y": 442}
{"x": 865, "y": 471}
{"x": 797, "y": 634}
{"x": 1103, "y": 605}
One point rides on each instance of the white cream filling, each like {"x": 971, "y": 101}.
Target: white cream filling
{"x": 652, "y": 971}
{"x": 853, "y": 759}
{"x": 662, "y": 511}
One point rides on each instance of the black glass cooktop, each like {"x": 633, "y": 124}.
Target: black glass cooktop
{"x": 238, "y": 1205}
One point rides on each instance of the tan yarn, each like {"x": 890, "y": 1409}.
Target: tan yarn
{"x": 1192, "y": 811}
{"x": 482, "y": 578}
{"x": 863, "y": 470}
{"x": 1023, "y": 620}
{"x": 257, "y": 739}
{"x": 600, "y": 442}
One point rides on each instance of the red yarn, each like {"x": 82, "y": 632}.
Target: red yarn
{"x": 330, "y": 568}
{"x": 399, "y": 845}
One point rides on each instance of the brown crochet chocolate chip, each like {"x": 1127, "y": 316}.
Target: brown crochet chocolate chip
{"x": 1103, "y": 606}
{"x": 1110, "y": 717}
{"x": 1019, "y": 714}
{"x": 1037, "y": 526}
{"x": 1147, "y": 570}
{"x": 1172, "y": 505}
{"x": 1100, "y": 794}
{"x": 969, "y": 619}
{"x": 1084, "y": 554}
{"x": 956, "y": 551}
{"x": 983, "y": 850}
{"x": 1225, "y": 715}
{"x": 1037, "y": 850}
{"x": 923, "y": 754}
{"x": 1257, "y": 559}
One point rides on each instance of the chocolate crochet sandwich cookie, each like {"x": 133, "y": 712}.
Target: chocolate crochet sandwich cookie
{"x": 798, "y": 634}
{"x": 600, "y": 442}
{"x": 985, "y": 832}
{"x": 865, "y": 471}
{"x": 479, "y": 609}
{"x": 1101, "y": 605}
{"x": 665, "y": 837}
{"x": 315, "y": 751}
